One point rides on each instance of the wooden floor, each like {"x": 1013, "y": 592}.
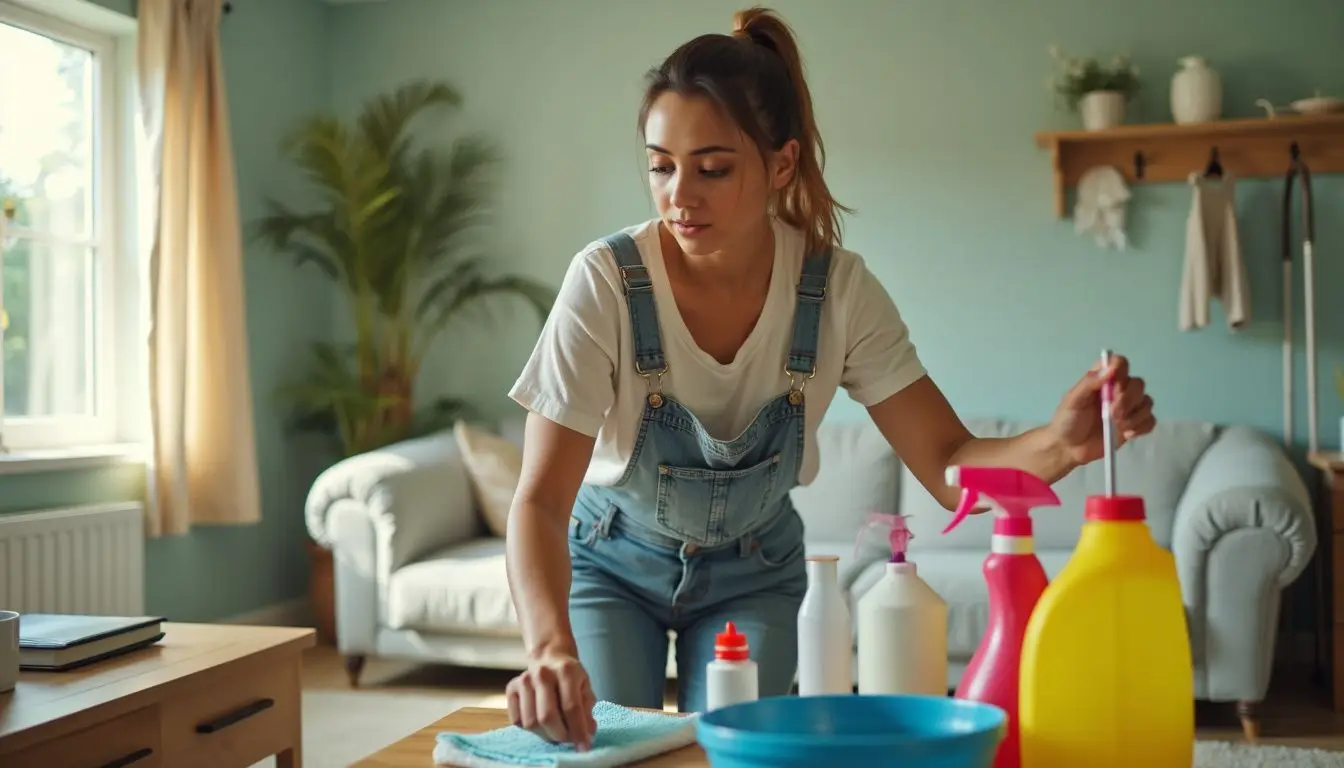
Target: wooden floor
{"x": 1295, "y": 715}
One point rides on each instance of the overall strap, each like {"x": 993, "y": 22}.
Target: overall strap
{"x": 638, "y": 289}
{"x": 802, "y": 362}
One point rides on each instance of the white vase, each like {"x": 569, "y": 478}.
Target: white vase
{"x": 1196, "y": 92}
{"x": 825, "y": 636}
{"x": 1102, "y": 109}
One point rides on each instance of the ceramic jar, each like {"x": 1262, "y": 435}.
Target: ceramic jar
{"x": 1102, "y": 109}
{"x": 1196, "y": 92}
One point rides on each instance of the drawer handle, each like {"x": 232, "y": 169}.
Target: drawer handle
{"x": 134, "y": 757}
{"x": 236, "y": 716}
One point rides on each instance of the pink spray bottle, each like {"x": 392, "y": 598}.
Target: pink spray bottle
{"x": 1015, "y": 579}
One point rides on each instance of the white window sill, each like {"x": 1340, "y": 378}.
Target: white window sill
{"x": 23, "y": 462}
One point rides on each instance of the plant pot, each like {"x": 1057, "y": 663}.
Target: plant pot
{"x": 1102, "y": 109}
{"x": 1196, "y": 92}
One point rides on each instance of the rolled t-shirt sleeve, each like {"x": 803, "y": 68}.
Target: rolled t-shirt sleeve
{"x": 880, "y": 357}
{"x": 569, "y": 377}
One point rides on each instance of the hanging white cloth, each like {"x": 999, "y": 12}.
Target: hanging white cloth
{"x": 1100, "y": 209}
{"x": 1214, "y": 268}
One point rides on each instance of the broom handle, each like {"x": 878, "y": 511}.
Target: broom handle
{"x": 1107, "y": 428}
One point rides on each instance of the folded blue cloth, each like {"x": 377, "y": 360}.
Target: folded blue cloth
{"x": 623, "y": 736}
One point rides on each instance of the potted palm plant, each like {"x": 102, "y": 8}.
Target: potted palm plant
{"x": 396, "y": 230}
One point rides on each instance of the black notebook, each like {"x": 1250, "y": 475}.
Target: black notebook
{"x": 60, "y": 641}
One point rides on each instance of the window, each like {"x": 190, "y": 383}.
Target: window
{"x": 63, "y": 253}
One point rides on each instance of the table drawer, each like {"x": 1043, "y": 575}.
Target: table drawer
{"x": 128, "y": 741}
{"x": 233, "y": 720}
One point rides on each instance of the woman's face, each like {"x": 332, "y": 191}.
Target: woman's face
{"x": 708, "y": 182}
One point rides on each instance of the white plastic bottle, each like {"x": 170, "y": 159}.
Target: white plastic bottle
{"x": 825, "y": 634}
{"x": 731, "y": 677}
{"x": 902, "y": 626}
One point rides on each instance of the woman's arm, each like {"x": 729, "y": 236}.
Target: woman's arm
{"x": 555, "y": 459}
{"x": 928, "y": 436}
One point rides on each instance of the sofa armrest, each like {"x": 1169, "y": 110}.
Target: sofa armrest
{"x": 1244, "y": 530}
{"x": 416, "y": 494}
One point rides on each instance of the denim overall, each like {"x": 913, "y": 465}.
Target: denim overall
{"x": 698, "y": 531}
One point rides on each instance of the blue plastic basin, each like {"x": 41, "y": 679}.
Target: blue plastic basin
{"x": 853, "y": 731}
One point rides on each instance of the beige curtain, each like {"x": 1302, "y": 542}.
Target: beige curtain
{"x": 203, "y": 464}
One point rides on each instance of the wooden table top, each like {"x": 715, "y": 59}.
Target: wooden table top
{"x": 417, "y": 750}
{"x": 125, "y": 683}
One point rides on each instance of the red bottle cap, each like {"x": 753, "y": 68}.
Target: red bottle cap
{"x": 1114, "y": 508}
{"x": 729, "y": 645}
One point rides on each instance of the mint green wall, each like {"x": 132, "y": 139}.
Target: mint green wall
{"x": 928, "y": 119}
{"x": 928, "y": 110}
{"x": 274, "y": 60}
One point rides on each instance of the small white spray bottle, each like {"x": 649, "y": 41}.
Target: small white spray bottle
{"x": 902, "y": 626}
{"x": 825, "y": 633}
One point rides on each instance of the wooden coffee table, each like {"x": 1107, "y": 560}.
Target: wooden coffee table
{"x": 206, "y": 696}
{"x": 417, "y": 750}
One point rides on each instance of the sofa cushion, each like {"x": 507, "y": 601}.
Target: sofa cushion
{"x": 494, "y": 465}
{"x": 957, "y": 577}
{"x": 1155, "y": 466}
{"x": 462, "y": 588}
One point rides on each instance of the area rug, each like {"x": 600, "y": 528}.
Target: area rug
{"x": 1222, "y": 754}
{"x": 342, "y": 727}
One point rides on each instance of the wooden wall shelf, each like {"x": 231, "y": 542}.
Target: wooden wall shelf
{"x": 1166, "y": 152}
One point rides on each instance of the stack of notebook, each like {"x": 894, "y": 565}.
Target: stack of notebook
{"x": 53, "y": 642}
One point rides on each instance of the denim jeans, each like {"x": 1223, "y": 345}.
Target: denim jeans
{"x": 631, "y": 586}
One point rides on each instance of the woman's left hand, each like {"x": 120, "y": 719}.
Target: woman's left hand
{"x": 1077, "y": 420}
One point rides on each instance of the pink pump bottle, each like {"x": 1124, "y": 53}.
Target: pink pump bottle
{"x": 1016, "y": 580}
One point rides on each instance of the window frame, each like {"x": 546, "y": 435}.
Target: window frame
{"x": 106, "y": 239}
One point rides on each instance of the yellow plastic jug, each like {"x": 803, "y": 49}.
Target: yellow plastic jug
{"x": 1107, "y": 678}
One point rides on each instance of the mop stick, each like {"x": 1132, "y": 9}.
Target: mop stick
{"x": 1107, "y": 428}
{"x": 1309, "y": 296}
{"x": 1295, "y": 168}
{"x": 1288, "y": 350}
{"x": 1309, "y": 309}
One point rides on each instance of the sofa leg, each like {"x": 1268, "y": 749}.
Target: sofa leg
{"x": 1249, "y": 713}
{"x": 353, "y": 666}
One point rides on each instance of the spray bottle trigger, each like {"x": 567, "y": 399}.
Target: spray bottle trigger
{"x": 968, "y": 498}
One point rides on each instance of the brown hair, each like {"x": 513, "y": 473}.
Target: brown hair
{"x": 756, "y": 76}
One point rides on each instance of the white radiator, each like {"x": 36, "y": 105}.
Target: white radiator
{"x": 87, "y": 559}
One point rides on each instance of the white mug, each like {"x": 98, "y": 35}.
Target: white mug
{"x": 9, "y": 650}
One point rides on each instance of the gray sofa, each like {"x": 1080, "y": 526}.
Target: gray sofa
{"x": 419, "y": 577}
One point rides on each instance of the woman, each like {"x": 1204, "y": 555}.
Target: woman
{"x": 676, "y": 388}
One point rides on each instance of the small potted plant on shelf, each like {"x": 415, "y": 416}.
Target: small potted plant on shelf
{"x": 1099, "y": 93}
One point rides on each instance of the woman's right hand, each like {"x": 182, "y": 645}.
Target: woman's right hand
{"x": 553, "y": 699}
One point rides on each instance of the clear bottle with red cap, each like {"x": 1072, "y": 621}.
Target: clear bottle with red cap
{"x": 731, "y": 677}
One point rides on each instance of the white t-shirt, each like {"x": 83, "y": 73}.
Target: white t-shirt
{"x": 581, "y": 373}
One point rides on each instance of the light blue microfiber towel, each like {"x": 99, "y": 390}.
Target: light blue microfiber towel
{"x": 623, "y": 736}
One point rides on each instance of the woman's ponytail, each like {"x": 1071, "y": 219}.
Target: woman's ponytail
{"x": 807, "y": 202}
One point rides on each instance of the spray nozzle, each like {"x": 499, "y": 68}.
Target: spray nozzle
{"x": 898, "y": 535}
{"x": 1012, "y": 490}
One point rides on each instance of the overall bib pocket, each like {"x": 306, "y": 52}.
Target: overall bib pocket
{"x": 712, "y": 506}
